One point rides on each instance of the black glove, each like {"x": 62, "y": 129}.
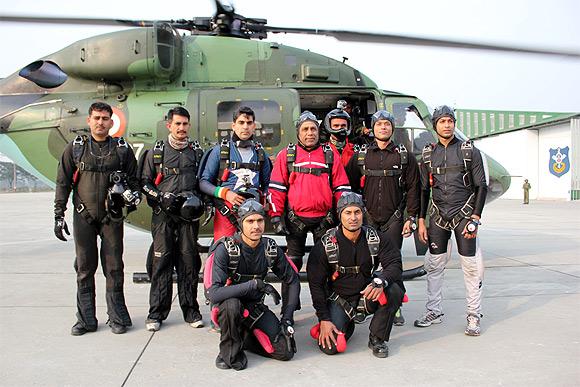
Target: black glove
{"x": 278, "y": 226}
{"x": 288, "y": 332}
{"x": 59, "y": 226}
{"x": 269, "y": 290}
{"x": 168, "y": 202}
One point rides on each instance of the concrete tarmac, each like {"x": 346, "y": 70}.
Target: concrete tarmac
{"x": 530, "y": 337}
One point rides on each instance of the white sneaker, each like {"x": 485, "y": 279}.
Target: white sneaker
{"x": 152, "y": 325}
{"x": 473, "y": 327}
{"x": 197, "y": 323}
{"x": 428, "y": 318}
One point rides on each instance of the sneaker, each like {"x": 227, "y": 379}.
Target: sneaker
{"x": 428, "y": 318}
{"x": 152, "y": 325}
{"x": 197, "y": 323}
{"x": 399, "y": 319}
{"x": 79, "y": 329}
{"x": 360, "y": 318}
{"x": 117, "y": 328}
{"x": 473, "y": 325}
{"x": 379, "y": 347}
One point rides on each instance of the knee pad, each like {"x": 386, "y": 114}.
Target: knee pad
{"x": 340, "y": 341}
{"x": 264, "y": 340}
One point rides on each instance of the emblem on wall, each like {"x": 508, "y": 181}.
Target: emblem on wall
{"x": 559, "y": 163}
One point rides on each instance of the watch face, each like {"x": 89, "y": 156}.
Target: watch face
{"x": 378, "y": 281}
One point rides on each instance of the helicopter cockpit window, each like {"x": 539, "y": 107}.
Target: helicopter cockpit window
{"x": 422, "y": 137}
{"x": 406, "y": 116}
{"x": 268, "y": 120}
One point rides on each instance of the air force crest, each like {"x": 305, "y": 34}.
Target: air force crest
{"x": 559, "y": 163}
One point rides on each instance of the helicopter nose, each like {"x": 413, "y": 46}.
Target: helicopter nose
{"x": 499, "y": 178}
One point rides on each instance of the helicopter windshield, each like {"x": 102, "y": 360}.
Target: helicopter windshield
{"x": 410, "y": 128}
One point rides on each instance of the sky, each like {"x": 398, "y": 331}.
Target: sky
{"x": 464, "y": 79}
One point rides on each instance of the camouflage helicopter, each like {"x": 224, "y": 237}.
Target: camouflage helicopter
{"x": 146, "y": 70}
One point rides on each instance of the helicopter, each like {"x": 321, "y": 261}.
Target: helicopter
{"x": 144, "y": 71}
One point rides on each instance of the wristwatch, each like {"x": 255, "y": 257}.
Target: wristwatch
{"x": 377, "y": 283}
{"x": 472, "y": 225}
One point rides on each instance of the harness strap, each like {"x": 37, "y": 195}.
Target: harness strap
{"x": 348, "y": 309}
{"x": 464, "y": 213}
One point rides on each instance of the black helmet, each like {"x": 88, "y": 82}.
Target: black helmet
{"x": 337, "y": 113}
{"x": 349, "y": 199}
{"x": 249, "y": 193}
{"x": 442, "y": 111}
{"x": 382, "y": 115}
{"x": 192, "y": 207}
{"x": 250, "y": 207}
{"x": 307, "y": 116}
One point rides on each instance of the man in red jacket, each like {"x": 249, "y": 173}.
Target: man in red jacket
{"x": 307, "y": 180}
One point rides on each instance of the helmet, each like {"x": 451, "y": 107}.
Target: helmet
{"x": 249, "y": 193}
{"x": 307, "y": 116}
{"x": 192, "y": 207}
{"x": 382, "y": 115}
{"x": 442, "y": 111}
{"x": 349, "y": 199}
{"x": 337, "y": 113}
{"x": 250, "y": 207}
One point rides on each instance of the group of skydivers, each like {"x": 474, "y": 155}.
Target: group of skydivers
{"x": 358, "y": 201}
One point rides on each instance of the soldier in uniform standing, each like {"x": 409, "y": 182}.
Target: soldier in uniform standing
{"x": 100, "y": 171}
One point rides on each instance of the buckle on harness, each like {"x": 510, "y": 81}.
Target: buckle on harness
{"x": 224, "y": 210}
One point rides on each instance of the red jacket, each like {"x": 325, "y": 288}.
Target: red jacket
{"x": 347, "y": 152}
{"x": 307, "y": 194}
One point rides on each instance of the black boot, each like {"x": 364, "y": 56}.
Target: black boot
{"x": 379, "y": 347}
{"x": 221, "y": 364}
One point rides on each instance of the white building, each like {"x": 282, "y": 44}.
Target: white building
{"x": 542, "y": 147}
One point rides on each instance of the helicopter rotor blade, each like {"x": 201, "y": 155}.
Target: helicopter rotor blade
{"x": 367, "y": 37}
{"x": 75, "y": 20}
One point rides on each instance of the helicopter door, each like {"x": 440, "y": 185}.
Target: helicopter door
{"x": 275, "y": 111}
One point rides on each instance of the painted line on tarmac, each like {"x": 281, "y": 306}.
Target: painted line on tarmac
{"x": 142, "y": 352}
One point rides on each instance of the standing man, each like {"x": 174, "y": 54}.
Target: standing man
{"x": 526, "y": 188}
{"x": 239, "y": 265}
{"x": 307, "y": 180}
{"x": 387, "y": 175}
{"x": 337, "y": 123}
{"x": 100, "y": 171}
{"x": 169, "y": 181}
{"x": 453, "y": 170}
{"x": 234, "y": 170}
{"x": 340, "y": 276}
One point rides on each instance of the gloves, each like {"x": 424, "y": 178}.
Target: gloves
{"x": 168, "y": 201}
{"x": 59, "y": 226}
{"x": 288, "y": 332}
{"x": 269, "y": 290}
{"x": 132, "y": 198}
{"x": 279, "y": 228}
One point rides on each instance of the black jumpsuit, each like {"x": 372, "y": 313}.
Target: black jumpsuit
{"x": 383, "y": 195}
{"x": 97, "y": 161}
{"x": 450, "y": 194}
{"x": 234, "y": 298}
{"x": 174, "y": 239}
{"x": 349, "y": 285}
